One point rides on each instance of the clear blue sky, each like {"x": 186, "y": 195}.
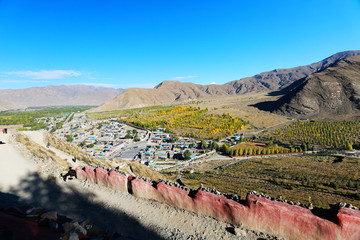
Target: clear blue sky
{"x": 141, "y": 43}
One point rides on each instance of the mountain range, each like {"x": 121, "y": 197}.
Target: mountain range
{"x": 6, "y": 105}
{"x": 330, "y": 86}
{"x": 169, "y": 92}
{"x": 74, "y": 95}
{"x": 335, "y": 91}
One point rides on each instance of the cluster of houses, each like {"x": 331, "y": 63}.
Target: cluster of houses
{"x": 110, "y": 139}
{"x": 102, "y": 139}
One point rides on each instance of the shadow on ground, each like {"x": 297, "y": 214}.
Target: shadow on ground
{"x": 79, "y": 206}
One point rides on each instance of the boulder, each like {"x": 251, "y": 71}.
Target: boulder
{"x": 52, "y": 215}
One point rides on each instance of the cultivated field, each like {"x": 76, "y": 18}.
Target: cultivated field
{"x": 325, "y": 134}
{"x": 300, "y": 179}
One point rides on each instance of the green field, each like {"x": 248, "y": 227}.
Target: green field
{"x": 28, "y": 118}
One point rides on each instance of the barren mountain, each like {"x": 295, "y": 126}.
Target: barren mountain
{"x": 334, "y": 91}
{"x": 74, "y": 95}
{"x": 6, "y": 105}
{"x": 169, "y": 92}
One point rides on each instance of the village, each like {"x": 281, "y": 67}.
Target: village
{"x": 111, "y": 139}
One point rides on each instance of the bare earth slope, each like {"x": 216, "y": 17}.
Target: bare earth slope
{"x": 169, "y": 92}
{"x": 59, "y": 95}
{"x": 6, "y": 105}
{"x": 334, "y": 91}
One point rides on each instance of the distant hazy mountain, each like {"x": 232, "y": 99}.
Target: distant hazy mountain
{"x": 333, "y": 91}
{"x": 74, "y": 95}
{"x": 6, "y": 105}
{"x": 169, "y": 92}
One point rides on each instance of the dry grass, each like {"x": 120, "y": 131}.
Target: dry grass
{"x": 144, "y": 171}
{"x": 72, "y": 150}
{"x": 40, "y": 151}
{"x": 240, "y": 106}
{"x": 208, "y": 166}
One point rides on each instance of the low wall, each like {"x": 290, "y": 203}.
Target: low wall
{"x": 256, "y": 212}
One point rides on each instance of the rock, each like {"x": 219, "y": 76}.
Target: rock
{"x": 240, "y": 232}
{"x": 79, "y": 229}
{"x": 67, "y": 227}
{"x": 342, "y": 204}
{"x": 73, "y": 236}
{"x": 35, "y": 211}
{"x": 52, "y": 215}
{"x": 310, "y": 206}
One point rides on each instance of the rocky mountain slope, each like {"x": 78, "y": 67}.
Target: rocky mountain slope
{"x": 6, "y": 105}
{"x": 169, "y": 92}
{"x": 333, "y": 91}
{"x": 74, "y": 95}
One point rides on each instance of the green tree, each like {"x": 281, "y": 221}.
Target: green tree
{"x": 241, "y": 152}
{"x": 231, "y": 152}
{"x": 187, "y": 154}
{"x": 237, "y": 152}
{"x": 203, "y": 144}
{"x": 245, "y": 152}
{"x": 69, "y": 138}
{"x": 225, "y": 148}
{"x": 128, "y": 136}
{"x": 348, "y": 146}
{"x": 174, "y": 139}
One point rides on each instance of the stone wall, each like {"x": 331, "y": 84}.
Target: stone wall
{"x": 258, "y": 212}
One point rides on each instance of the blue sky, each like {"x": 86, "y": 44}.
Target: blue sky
{"x": 141, "y": 43}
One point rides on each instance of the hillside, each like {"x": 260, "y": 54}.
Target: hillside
{"x": 169, "y": 92}
{"x": 74, "y": 95}
{"x": 334, "y": 91}
{"x": 6, "y": 105}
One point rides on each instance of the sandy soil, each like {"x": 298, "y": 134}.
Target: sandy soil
{"x": 113, "y": 211}
{"x": 13, "y": 164}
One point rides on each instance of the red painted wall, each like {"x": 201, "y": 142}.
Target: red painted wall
{"x": 258, "y": 213}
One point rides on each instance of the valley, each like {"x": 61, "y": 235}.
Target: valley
{"x": 231, "y": 142}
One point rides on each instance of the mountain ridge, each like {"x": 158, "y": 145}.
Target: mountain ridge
{"x": 6, "y": 105}
{"x": 169, "y": 92}
{"x": 62, "y": 95}
{"x": 333, "y": 91}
